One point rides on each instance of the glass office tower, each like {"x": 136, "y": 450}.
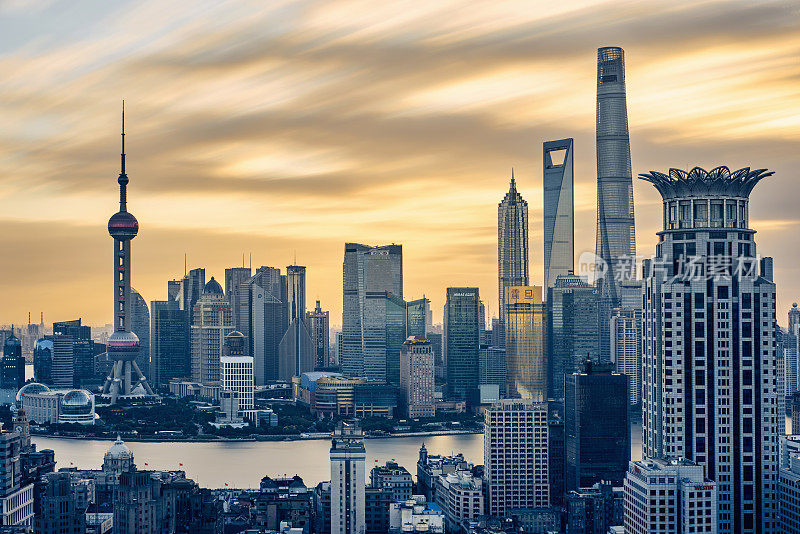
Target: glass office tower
{"x": 526, "y": 358}
{"x": 462, "y": 342}
{"x": 559, "y": 210}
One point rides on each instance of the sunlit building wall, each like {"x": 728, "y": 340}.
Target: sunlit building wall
{"x": 526, "y": 358}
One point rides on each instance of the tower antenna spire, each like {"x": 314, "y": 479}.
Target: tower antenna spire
{"x": 122, "y": 154}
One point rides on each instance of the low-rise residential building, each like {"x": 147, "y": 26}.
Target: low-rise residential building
{"x": 393, "y": 478}
{"x": 430, "y": 466}
{"x": 415, "y": 515}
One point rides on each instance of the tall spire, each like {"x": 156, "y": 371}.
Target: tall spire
{"x": 123, "y": 178}
{"x": 513, "y": 182}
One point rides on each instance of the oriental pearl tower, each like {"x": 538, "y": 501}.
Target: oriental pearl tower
{"x": 123, "y": 345}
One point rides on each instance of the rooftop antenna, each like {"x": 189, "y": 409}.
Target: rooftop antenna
{"x": 185, "y": 272}
{"x": 295, "y": 256}
{"x": 251, "y": 261}
{"x": 242, "y": 260}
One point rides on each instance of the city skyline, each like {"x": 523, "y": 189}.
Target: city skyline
{"x": 216, "y": 175}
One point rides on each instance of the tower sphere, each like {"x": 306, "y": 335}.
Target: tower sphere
{"x": 123, "y": 346}
{"x": 123, "y": 226}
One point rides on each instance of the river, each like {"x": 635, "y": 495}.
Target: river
{"x": 243, "y": 464}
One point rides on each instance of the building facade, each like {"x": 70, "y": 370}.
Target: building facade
{"x": 626, "y": 349}
{"x": 515, "y": 450}
{"x": 236, "y": 370}
{"x": 213, "y": 321}
{"x": 559, "y": 210}
{"x": 616, "y": 235}
{"x": 170, "y": 357}
{"x": 709, "y": 362}
{"x": 597, "y": 427}
{"x": 526, "y": 355}
{"x": 462, "y": 341}
{"x": 417, "y": 378}
{"x": 512, "y": 246}
{"x": 347, "y": 480}
{"x": 319, "y": 326}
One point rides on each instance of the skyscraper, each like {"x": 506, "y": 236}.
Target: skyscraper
{"x": 709, "y": 362}
{"x": 462, "y": 341}
{"x": 512, "y": 246}
{"x": 791, "y": 344}
{"x": 366, "y": 271}
{"x": 235, "y": 277}
{"x": 319, "y": 325}
{"x": 123, "y": 344}
{"x": 526, "y": 357}
{"x": 212, "y": 322}
{"x": 626, "y": 349}
{"x": 43, "y": 360}
{"x": 515, "y": 451}
{"x": 296, "y": 350}
{"x": 170, "y": 355}
{"x": 16, "y": 497}
{"x": 347, "y": 480}
{"x": 140, "y": 325}
{"x": 74, "y": 363}
{"x": 417, "y": 378}
{"x": 559, "y": 210}
{"x": 597, "y": 426}
{"x": 236, "y": 370}
{"x": 13, "y": 364}
{"x": 572, "y": 329}
{"x": 616, "y": 237}
{"x": 263, "y": 320}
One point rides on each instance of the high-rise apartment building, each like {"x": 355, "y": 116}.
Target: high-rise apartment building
{"x": 616, "y": 236}
{"x": 709, "y": 362}
{"x": 417, "y": 377}
{"x": 559, "y": 210}
{"x": 236, "y": 370}
{"x": 626, "y": 349}
{"x": 235, "y": 288}
{"x": 515, "y": 451}
{"x": 597, "y": 427}
{"x": 170, "y": 355}
{"x": 512, "y": 247}
{"x": 572, "y": 329}
{"x": 791, "y": 350}
{"x": 319, "y": 326}
{"x": 367, "y": 271}
{"x": 526, "y": 357}
{"x": 212, "y": 322}
{"x": 669, "y": 495}
{"x": 462, "y": 341}
{"x": 347, "y": 480}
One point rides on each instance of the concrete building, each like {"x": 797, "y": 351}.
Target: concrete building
{"x": 347, "y": 480}
{"x": 512, "y": 248}
{"x": 572, "y": 329}
{"x": 57, "y": 406}
{"x": 236, "y": 370}
{"x": 462, "y": 342}
{"x": 626, "y": 349}
{"x": 789, "y": 496}
{"x": 16, "y": 499}
{"x": 492, "y": 368}
{"x": 515, "y": 449}
{"x": 595, "y": 510}
{"x": 366, "y": 270}
{"x": 669, "y": 495}
{"x": 559, "y": 210}
{"x": 263, "y": 319}
{"x": 460, "y": 496}
{"x": 430, "y": 466}
{"x": 526, "y": 357}
{"x": 415, "y": 515}
{"x": 170, "y": 355}
{"x": 709, "y": 364}
{"x": 237, "y": 290}
{"x": 417, "y": 378}
{"x": 141, "y": 506}
{"x": 282, "y": 500}
{"x": 213, "y": 321}
{"x": 319, "y": 326}
{"x": 393, "y": 478}
{"x": 597, "y": 427}
{"x": 58, "y": 510}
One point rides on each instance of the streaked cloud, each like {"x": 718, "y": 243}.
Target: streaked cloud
{"x": 296, "y": 126}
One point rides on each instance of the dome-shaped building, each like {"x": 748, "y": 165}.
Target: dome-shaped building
{"x": 77, "y": 406}
{"x": 27, "y": 389}
{"x": 118, "y": 458}
{"x": 213, "y": 287}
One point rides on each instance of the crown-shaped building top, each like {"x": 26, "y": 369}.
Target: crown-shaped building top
{"x": 698, "y": 182}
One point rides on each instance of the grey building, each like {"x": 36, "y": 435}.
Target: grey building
{"x": 13, "y": 364}
{"x": 347, "y": 480}
{"x": 319, "y": 326}
{"x": 296, "y": 353}
{"x": 283, "y": 499}
{"x": 169, "y": 347}
{"x": 212, "y": 322}
{"x": 73, "y": 357}
{"x": 616, "y": 236}
{"x": 140, "y": 325}
{"x": 556, "y": 460}
{"x": 597, "y": 427}
{"x": 461, "y": 341}
{"x": 392, "y": 478}
{"x": 492, "y": 368}
{"x": 594, "y": 510}
{"x": 141, "y": 506}
{"x": 709, "y": 364}
{"x": 512, "y": 249}
{"x": 572, "y": 329}
{"x": 626, "y": 349}
{"x": 367, "y": 271}
{"x": 17, "y": 498}
{"x": 235, "y": 278}
{"x": 559, "y": 210}
{"x": 789, "y": 496}
{"x": 57, "y": 509}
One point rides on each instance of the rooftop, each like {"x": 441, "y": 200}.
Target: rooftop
{"x": 698, "y": 182}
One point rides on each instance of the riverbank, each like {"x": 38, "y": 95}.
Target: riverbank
{"x": 250, "y": 439}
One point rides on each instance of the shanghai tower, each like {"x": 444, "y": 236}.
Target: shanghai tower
{"x": 616, "y": 239}
{"x": 123, "y": 345}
